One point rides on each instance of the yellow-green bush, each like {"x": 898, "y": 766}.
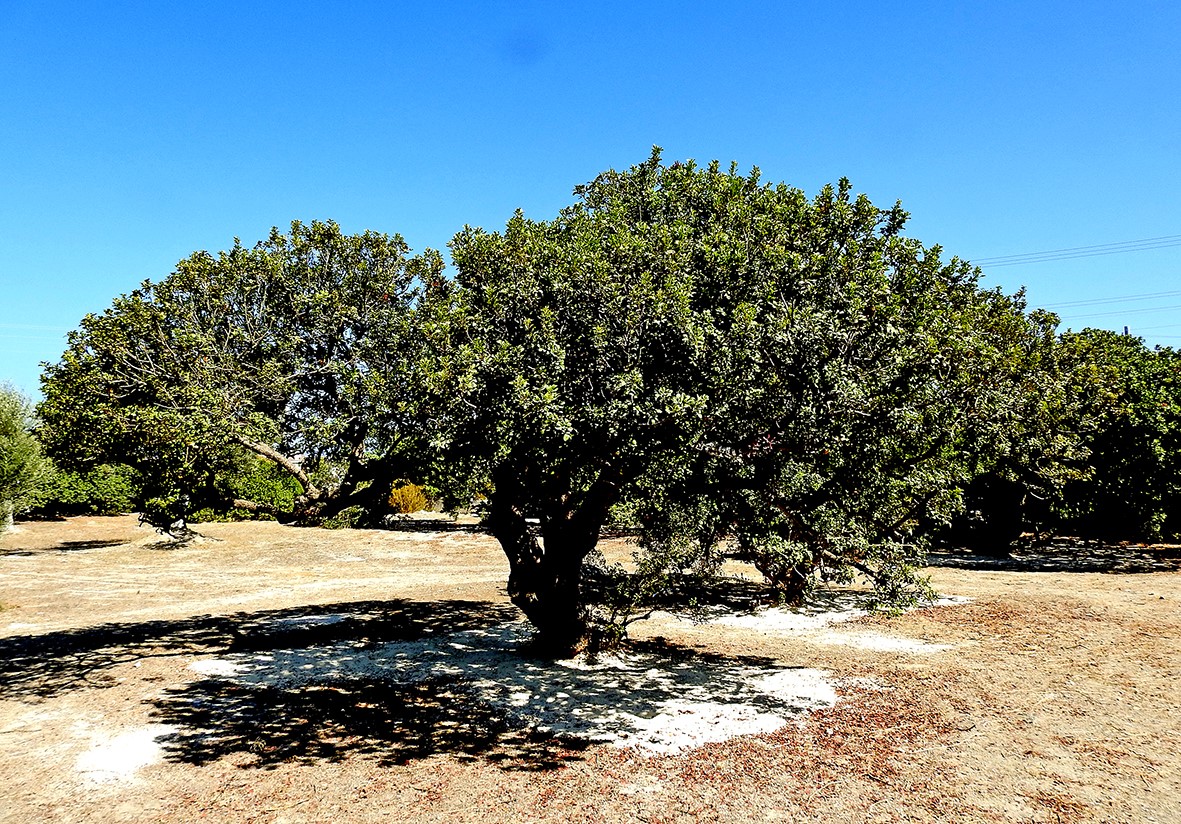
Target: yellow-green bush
{"x": 408, "y": 498}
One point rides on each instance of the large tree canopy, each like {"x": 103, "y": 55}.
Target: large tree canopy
{"x": 733, "y": 358}
{"x": 739, "y": 366}
{"x": 295, "y": 350}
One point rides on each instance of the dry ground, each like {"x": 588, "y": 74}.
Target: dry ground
{"x": 1056, "y": 699}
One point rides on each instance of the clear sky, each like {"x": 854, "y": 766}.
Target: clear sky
{"x": 133, "y": 133}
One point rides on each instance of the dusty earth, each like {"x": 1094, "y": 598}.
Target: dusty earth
{"x": 273, "y": 674}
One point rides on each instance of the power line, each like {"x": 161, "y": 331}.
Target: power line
{"x": 1071, "y": 253}
{"x": 1117, "y": 299}
{"x": 1123, "y": 312}
{"x": 1161, "y": 326}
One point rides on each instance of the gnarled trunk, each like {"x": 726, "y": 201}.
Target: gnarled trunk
{"x": 545, "y": 577}
{"x": 544, "y": 580}
{"x": 547, "y": 590}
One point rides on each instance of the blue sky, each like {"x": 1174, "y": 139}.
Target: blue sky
{"x": 132, "y": 134}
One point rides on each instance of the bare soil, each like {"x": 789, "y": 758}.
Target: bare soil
{"x": 1054, "y": 694}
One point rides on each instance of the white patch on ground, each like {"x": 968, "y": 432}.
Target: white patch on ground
{"x": 814, "y": 622}
{"x": 117, "y": 758}
{"x": 215, "y": 667}
{"x": 314, "y": 620}
{"x": 781, "y": 619}
{"x": 946, "y": 601}
{"x": 654, "y": 702}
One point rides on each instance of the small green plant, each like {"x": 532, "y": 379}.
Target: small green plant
{"x": 23, "y": 468}
{"x": 349, "y": 518}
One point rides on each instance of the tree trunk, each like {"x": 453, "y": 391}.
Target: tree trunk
{"x": 790, "y": 584}
{"x": 543, "y": 579}
{"x": 547, "y": 590}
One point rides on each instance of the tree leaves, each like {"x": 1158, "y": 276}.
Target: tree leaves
{"x": 297, "y": 349}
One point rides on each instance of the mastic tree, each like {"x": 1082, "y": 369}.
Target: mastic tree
{"x": 23, "y": 469}
{"x": 1132, "y": 490}
{"x": 295, "y": 350}
{"x": 736, "y": 360}
{"x": 1021, "y": 468}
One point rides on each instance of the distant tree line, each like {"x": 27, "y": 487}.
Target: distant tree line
{"x": 721, "y": 365}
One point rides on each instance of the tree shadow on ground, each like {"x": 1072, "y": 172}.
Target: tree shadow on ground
{"x": 1065, "y": 555}
{"x": 74, "y": 546}
{"x": 472, "y": 694}
{"x": 63, "y": 547}
{"x": 42, "y": 666}
{"x": 427, "y": 525}
{"x": 398, "y": 681}
{"x": 394, "y": 723}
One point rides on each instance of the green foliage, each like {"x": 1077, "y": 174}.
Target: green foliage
{"x": 1133, "y": 487}
{"x": 721, "y": 364}
{"x": 257, "y": 486}
{"x": 23, "y": 468}
{"x": 1092, "y": 450}
{"x": 297, "y": 350}
{"x": 734, "y": 358}
{"x": 261, "y": 481}
{"x": 349, "y": 518}
{"x": 107, "y": 489}
{"x": 1019, "y": 468}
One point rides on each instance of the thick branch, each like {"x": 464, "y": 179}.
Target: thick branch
{"x": 281, "y": 460}
{"x": 254, "y": 506}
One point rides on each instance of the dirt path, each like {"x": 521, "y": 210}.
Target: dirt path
{"x": 126, "y": 692}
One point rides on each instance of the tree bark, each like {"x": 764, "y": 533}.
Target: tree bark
{"x": 279, "y": 459}
{"x": 545, "y": 577}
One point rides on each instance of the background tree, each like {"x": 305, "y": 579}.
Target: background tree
{"x": 23, "y": 469}
{"x": 1020, "y": 464}
{"x": 1133, "y": 487}
{"x": 295, "y": 351}
{"x": 738, "y": 359}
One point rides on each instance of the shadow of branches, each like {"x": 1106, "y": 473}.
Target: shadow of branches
{"x": 1065, "y": 555}
{"x": 393, "y": 722}
{"x": 399, "y": 681}
{"x": 475, "y": 693}
{"x": 41, "y": 666}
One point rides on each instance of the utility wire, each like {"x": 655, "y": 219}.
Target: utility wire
{"x": 1161, "y": 326}
{"x": 1122, "y": 312}
{"x": 1163, "y": 242}
{"x": 1118, "y": 299}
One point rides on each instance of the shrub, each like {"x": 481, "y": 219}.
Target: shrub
{"x": 408, "y": 498}
{"x": 350, "y": 518}
{"x": 252, "y": 479}
{"x": 107, "y": 489}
